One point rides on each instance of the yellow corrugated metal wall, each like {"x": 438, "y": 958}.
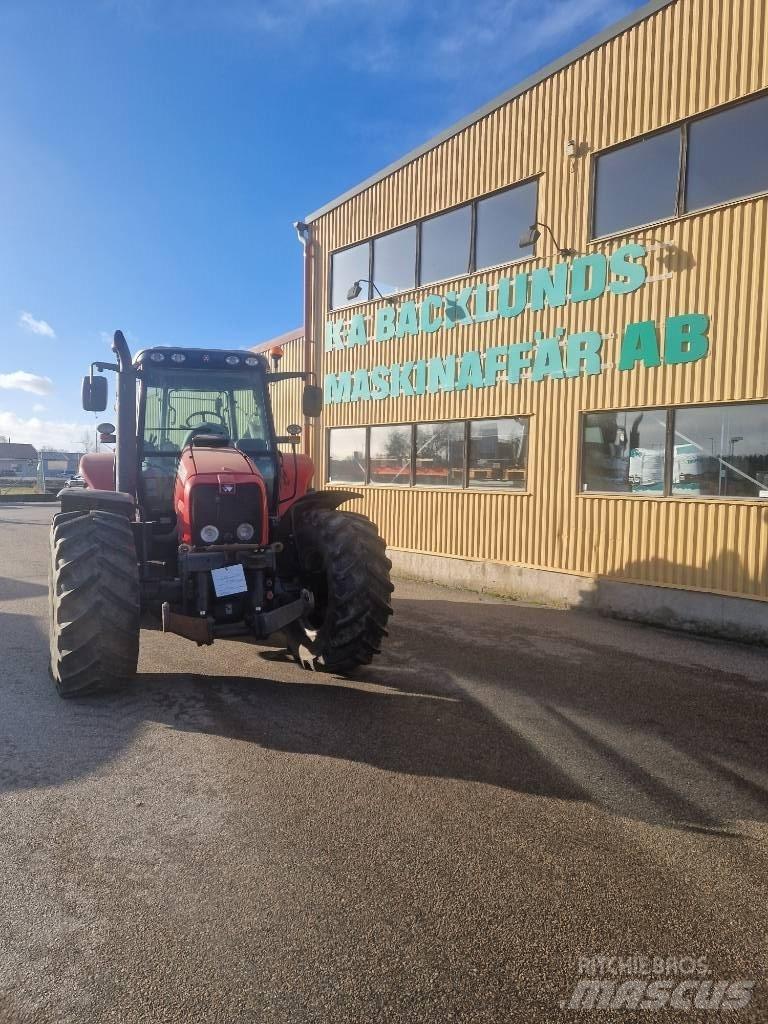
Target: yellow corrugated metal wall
{"x": 690, "y": 56}
{"x": 286, "y": 394}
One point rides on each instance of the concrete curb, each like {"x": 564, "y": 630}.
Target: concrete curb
{"x": 14, "y": 499}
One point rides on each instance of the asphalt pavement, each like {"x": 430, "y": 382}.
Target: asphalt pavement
{"x": 508, "y": 792}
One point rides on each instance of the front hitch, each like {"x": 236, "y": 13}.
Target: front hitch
{"x": 203, "y": 629}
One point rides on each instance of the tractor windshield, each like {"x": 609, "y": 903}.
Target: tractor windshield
{"x": 178, "y": 404}
{"x": 181, "y": 404}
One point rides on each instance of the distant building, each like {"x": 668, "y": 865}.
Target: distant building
{"x": 60, "y": 465}
{"x": 18, "y": 459}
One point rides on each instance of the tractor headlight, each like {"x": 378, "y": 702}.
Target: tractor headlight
{"x": 210, "y": 534}
{"x": 245, "y": 532}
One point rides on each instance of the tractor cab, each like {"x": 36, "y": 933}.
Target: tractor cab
{"x": 197, "y": 399}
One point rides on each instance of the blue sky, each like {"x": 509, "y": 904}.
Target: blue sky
{"x": 154, "y": 153}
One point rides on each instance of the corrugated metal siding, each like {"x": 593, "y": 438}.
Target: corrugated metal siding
{"x": 286, "y": 394}
{"x": 687, "y": 58}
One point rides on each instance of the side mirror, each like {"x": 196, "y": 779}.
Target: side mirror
{"x": 312, "y": 400}
{"x": 94, "y": 394}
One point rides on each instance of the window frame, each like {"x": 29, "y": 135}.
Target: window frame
{"x": 372, "y": 262}
{"x": 389, "y": 426}
{"x": 669, "y": 413}
{"x": 465, "y": 461}
{"x": 327, "y": 446}
{"x": 369, "y": 290}
{"x": 667, "y": 494}
{"x": 418, "y": 223}
{"x": 682, "y": 125}
{"x": 529, "y": 255}
{"x": 467, "y": 452}
{"x": 412, "y": 484}
{"x": 679, "y": 185}
{"x": 434, "y": 216}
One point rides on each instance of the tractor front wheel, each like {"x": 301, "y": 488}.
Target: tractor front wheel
{"x": 344, "y": 566}
{"x": 94, "y": 602}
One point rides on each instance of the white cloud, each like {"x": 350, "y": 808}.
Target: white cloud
{"x": 427, "y": 39}
{"x": 20, "y": 380}
{"x": 29, "y": 323}
{"x": 38, "y": 407}
{"x": 60, "y": 434}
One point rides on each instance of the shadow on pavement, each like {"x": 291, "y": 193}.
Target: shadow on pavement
{"x": 497, "y": 694}
{"x": 11, "y": 589}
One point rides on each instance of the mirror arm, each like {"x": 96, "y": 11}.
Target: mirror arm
{"x": 287, "y": 375}
{"x": 104, "y": 366}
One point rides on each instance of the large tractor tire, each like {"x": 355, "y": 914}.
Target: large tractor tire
{"x": 343, "y": 564}
{"x": 94, "y": 602}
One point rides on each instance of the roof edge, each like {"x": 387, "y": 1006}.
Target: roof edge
{"x": 647, "y": 10}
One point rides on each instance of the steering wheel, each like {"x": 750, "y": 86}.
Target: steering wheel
{"x": 217, "y": 429}
{"x": 204, "y": 416}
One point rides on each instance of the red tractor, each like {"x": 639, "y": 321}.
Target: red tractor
{"x": 200, "y": 518}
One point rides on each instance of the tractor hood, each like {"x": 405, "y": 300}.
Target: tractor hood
{"x": 221, "y": 487}
{"x": 198, "y": 459}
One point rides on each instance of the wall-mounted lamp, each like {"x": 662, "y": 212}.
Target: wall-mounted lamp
{"x": 357, "y": 287}
{"x": 532, "y": 235}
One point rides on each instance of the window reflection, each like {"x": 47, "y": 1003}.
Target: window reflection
{"x": 445, "y": 245}
{"x": 348, "y": 266}
{"x": 346, "y": 455}
{"x": 721, "y": 452}
{"x": 637, "y": 184}
{"x": 624, "y": 451}
{"x": 391, "y": 455}
{"x": 394, "y": 260}
{"x": 728, "y": 155}
{"x": 498, "y": 453}
{"x": 440, "y": 454}
{"x": 501, "y": 221}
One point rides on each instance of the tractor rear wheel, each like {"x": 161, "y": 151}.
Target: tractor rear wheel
{"x": 94, "y": 602}
{"x": 344, "y": 565}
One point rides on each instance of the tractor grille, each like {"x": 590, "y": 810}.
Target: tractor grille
{"x": 226, "y": 511}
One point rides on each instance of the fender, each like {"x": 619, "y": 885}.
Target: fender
{"x": 315, "y": 499}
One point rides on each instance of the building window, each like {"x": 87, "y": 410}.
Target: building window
{"x": 347, "y": 267}
{"x": 394, "y": 261}
{"x": 714, "y": 451}
{"x": 445, "y": 245}
{"x": 624, "y": 452}
{"x": 721, "y": 451}
{"x": 728, "y": 155}
{"x": 346, "y": 455}
{"x": 479, "y": 453}
{"x": 438, "y": 248}
{"x": 637, "y": 184}
{"x": 440, "y": 454}
{"x": 498, "y": 453}
{"x": 502, "y": 219}
{"x": 390, "y": 459}
{"x": 711, "y": 159}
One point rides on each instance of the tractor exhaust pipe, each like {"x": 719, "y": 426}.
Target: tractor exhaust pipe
{"x": 125, "y": 449}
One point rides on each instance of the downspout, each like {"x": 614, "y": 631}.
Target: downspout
{"x": 304, "y": 232}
